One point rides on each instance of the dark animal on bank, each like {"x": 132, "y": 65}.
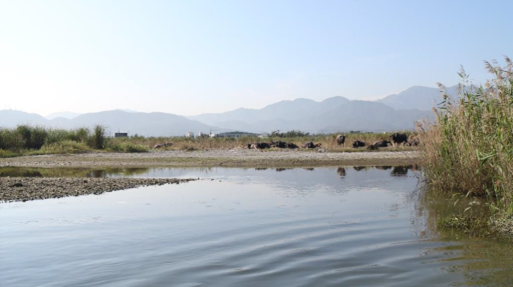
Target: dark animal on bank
{"x": 358, "y": 143}
{"x": 292, "y": 146}
{"x": 399, "y": 138}
{"x": 311, "y": 145}
{"x": 280, "y": 144}
{"x": 413, "y": 141}
{"x": 383, "y": 143}
{"x": 341, "y": 139}
{"x": 260, "y": 146}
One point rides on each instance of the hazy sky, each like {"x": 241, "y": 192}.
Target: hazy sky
{"x": 189, "y": 57}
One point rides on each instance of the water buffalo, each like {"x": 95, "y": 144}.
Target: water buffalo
{"x": 382, "y": 143}
{"x": 399, "y": 138}
{"x": 291, "y": 145}
{"x": 311, "y": 145}
{"x": 358, "y": 143}
{"x": 260, "y": 145}
{"x": 279, "y": 144}
{"x": 341, "y": 139}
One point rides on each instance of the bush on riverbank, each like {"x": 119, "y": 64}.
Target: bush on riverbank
{"x": 127, "y": 147}
{"x": 470, "y": 148}
{"x": 26, "y": 139}
{"x": 64, "y": 147}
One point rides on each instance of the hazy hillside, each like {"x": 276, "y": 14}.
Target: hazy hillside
{"x": 333, "y": 114}
{"x": 420, "y": 98}
{"x": 10, "y": 118}
{"x": 365, "y": 116}
{"x": 147, "y": 124}
{"x": 395, "y": 112}
{"x": 66, "y": 115}
{"x": 283, "y": 110}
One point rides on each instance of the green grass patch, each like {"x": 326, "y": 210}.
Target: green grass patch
{"x": 127, "y": 147}
{"x": 63, "y": 147}
{"x": 8, "y": 153}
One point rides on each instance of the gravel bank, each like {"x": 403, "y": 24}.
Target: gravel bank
{"x": 24, "y": 189}
{"x": 228, "y": 158}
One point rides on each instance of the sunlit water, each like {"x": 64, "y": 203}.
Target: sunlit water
{"x": 245, "y": 227}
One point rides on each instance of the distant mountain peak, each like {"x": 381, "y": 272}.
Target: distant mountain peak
{"x": 66, "y": 115}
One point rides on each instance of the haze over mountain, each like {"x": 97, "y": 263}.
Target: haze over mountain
{"x": 392, "y": 113}
{"x": 146, "y": 124}
{"x": 66, "y": 115}
{"x": 417, "y": 97}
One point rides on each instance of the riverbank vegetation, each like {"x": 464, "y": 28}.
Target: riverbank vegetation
{"x": 327, "y": 141}
{"x": 33, "y": 140}
{"x": 468, "y": 152}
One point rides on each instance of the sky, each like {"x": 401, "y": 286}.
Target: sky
{"x": 191, "y": 57}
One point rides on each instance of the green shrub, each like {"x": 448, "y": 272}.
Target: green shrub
{"x": 98, "y": 139}
{"x": 33, "y": 137}
{"x": 127, "y": 147}
{"x": 11, "y": 140}
{"x": 7, "y": 153}
{"x": 64, "y": 147}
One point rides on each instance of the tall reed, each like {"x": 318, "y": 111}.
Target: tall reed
{"x": 469, "y": 149}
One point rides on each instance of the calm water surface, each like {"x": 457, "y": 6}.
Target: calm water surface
{"x": 244, "y": 227}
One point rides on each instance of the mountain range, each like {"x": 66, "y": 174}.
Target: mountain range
{"x": 392, "y": 113}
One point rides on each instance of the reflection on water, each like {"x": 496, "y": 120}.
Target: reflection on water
{"x": 341, "y": 226}
{"x": 341, "y": 171}
{"x": 166, "y": 172}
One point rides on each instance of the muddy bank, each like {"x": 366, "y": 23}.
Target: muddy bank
{"x": 210, "y": 158}
{"x": 24, "y": 189}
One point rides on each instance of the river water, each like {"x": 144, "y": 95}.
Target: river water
{"x": 348, "y": 226}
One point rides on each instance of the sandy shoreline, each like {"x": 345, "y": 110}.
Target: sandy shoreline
{"x": 29, "y": 188}
{"x": 227, "y": 158}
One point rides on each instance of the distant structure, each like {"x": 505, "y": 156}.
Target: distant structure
{"x": 234, "y": 135}
{"x": 121, "y": 135}
{"x": 202, "y": 135}
{"x": 189, "y": 135}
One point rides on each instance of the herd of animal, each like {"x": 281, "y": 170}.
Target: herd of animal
{"x": 395, "y": 140}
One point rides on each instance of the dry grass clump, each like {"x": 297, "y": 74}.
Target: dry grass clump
{"x": 470, "y": 148}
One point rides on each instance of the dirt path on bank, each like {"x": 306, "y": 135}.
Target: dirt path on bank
{"x": 227, "y": 158}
